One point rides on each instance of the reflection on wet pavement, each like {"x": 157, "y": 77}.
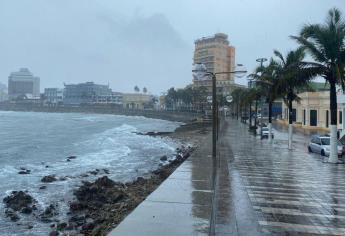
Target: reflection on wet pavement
{"x": 181, "y": 205}
{"x": 274, "y": 191}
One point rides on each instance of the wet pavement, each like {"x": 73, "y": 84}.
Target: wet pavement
{"x": 181, "y": 205}
{"x": 265, "y": 189}
{"x": 261, "y": 188}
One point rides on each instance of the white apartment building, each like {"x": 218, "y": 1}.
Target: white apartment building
{"x": 23, "y": 83}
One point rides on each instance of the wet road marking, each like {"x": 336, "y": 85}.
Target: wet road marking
{"x": 312, "y": 229}
{"x": 294, "y": 212}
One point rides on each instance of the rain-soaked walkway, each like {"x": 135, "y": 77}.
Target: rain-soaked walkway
{"x": 265, "y": 189}
{"x": 181, "y": 205}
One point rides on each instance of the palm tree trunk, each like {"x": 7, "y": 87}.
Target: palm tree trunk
{"x": 256, "y": 112}
{"x": 250, "y": 114}
{"x": 245, "y": 111}
{"x": 333, "y": 156}
{"x": 270, "y": 121}
{"x": 237, "y": 110}
{"x": 290, "y": 123}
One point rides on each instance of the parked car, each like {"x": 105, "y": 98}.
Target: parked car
{"x": 264, "y": 132}
{"x": 321, "y": 145}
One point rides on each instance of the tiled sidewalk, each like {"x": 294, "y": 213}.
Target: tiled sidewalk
{"x": 274, "y": 191}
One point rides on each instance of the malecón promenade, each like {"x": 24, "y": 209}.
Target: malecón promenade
{"x": 261, "y": 189}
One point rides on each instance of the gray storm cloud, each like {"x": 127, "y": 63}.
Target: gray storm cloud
{"x": 146, "y": 43}
{"x": 92, "y": 44}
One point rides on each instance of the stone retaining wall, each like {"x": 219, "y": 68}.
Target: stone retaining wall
{"x": 157, "y": 114}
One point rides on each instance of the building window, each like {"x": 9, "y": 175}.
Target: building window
{"x": 304, "y": 117}
{"x": 313, "y": 118}
{"x": 294, "y": 115}
{"x": 340, "y": 117}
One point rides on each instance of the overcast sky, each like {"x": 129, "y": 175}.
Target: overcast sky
{"x": 141, "y": 42}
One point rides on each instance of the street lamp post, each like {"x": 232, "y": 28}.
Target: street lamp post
{"x": 201, "y": 71}
{"x": 270, "y": 84}
{"x": 261, "y": 61}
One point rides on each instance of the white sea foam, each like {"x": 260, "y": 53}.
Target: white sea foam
{"x": 87, "y": 118}
{"x": 7, "y": 170}
{"x": 34, "y": 140}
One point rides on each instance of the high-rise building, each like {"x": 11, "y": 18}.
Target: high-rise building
{"x": 23, "y": 83}
{"x": 216, "y": 54}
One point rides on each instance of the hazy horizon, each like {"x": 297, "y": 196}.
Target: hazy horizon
{"x": 146, "y": 44}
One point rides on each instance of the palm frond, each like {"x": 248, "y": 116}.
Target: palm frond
{"x": 279, "y": 55}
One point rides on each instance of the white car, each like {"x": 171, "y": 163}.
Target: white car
{"x": 264, "y": 132}
{"x": 321, "y": 145}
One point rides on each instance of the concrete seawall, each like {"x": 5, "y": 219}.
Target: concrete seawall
{"x": 181, "y": 205}
{"x": 156, "y": 114}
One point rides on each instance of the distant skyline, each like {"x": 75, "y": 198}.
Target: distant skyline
{"x": 146, "y": 43}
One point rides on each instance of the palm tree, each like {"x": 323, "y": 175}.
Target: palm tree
{"x": 291, "y": 80}
{"x": 144, "y": 90}
{"x": 136, "y": 89}
{"x": 257, "y": 94}
{"x": 237, "y": 94}
{"x": 266, "y": 78}
{"x": 199, "y": 95}
{"x": 249, "y": 96}
{"x": 325, "y": 43}
{"x": 170, "y": 98}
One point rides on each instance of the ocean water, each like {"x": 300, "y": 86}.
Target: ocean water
{"x": 36, "y": 140}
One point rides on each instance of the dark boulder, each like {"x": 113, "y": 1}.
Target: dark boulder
{"x": 12, "y": 215}
{"x": 18, "y": 200}
{"x": 26, "y": 210}
{"x": 54, "y": 233}
{"x": 140, "y": 180}
{"x": 88, "y": 226}
{"x": 61, "y": 226}
{"x": 93, "y": 172}
{"x": 102, "y": 191}
{"x": 164, "y": 158}
{"x": 186, "y": 155}
{"x": 71, "y": 226}
{"x": 48, "y": 213}
{"x": 49, "y": 179}
{"x": 24, "y": 172}
{"x": 77, "y": 220}
{"x": 76, "y": 206}
{"x": 104, "y": 182}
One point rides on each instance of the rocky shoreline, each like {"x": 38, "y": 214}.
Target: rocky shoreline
{"x": 101, "y": 205}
